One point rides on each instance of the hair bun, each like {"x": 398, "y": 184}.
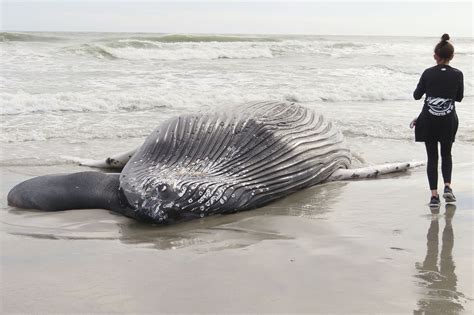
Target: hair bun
{"x": 445, "y": 37}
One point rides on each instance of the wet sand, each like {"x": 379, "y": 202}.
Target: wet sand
{"x": 369, "y": 246}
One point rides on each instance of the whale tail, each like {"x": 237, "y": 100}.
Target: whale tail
{"x": 83, "y": 190}
{"x": 372, "y": 171}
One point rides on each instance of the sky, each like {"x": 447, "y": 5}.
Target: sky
{"x": 394, "y": 18}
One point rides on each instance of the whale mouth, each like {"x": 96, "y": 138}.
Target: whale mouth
{"x": 153, "y": 201}
{"x": 155, "y": 210}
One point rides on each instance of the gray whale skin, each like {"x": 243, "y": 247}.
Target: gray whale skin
{"x": 197, "y": 165}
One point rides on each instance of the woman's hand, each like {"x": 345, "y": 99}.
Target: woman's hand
{"x": 413, "y": 123}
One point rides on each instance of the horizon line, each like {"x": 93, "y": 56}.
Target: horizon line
{"x": 224, "y": 33}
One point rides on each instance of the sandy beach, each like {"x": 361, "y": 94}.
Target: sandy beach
{"x": 369, "y": 246}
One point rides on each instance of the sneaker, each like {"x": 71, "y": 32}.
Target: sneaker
{"x": 434, "y": 202}
{"x": 448, "y": 194}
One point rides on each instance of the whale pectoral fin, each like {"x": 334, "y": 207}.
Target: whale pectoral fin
{"x": 372, "y": 171}
{"x": 117, "y": 161}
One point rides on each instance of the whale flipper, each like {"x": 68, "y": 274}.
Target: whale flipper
{"x": 117, "y": 161}
{"x": 372, "y": 171}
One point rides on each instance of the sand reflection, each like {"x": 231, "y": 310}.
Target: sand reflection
{"x": 207, "y": 234}
{"x": 439, "y": 277}
{"x": 236, "y": 230}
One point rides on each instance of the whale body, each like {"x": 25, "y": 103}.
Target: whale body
{"x": 194, "y": 165}
{"x": 197, "y": 165}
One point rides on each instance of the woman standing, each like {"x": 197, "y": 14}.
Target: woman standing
{"x": 438, "y": 121}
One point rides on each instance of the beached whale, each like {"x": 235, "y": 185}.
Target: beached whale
{"x": 197, "y": 165}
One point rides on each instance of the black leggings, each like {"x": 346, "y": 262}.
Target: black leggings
{"x": 432, "y": 165}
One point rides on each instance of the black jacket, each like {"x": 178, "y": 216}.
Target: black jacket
{"x": 438, "y": 121}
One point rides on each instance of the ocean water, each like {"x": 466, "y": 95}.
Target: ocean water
{"x": 76, "y": 87}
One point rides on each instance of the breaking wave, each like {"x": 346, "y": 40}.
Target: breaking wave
{"x": 24, "y": 37}
{"x": 345, "y": 45}
{"x": 94, "y": 50}
{"x": 177, "y": 38}
{"x": 208, "y": 47}
{"x": 22, "y": 102}
{"x": 184, "y": 47}
{"x": 149, "y": 50}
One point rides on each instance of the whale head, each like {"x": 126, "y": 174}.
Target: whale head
{"x": 153, "y": 200}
